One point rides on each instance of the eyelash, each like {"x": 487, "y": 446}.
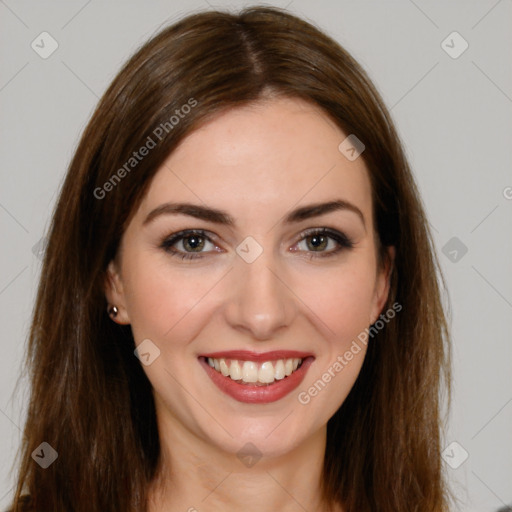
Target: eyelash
{"x": 341, "y": 239}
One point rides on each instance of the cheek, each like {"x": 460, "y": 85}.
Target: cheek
{"x": 159, "y": 300}
{"x": 162, "y": 300}
{"x": 341, "y": 298}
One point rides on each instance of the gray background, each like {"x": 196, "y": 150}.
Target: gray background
{"x": 453, "y": 114}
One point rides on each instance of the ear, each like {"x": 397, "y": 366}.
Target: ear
{"x": 382, "y": 284}
{"x": 114, "y": 293}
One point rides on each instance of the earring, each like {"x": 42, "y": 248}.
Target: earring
{"x": 112, "y": 311}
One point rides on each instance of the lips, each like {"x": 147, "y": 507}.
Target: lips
{"x": 252, "y": 377}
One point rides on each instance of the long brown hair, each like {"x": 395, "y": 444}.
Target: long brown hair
{"x": 90, "y": 399}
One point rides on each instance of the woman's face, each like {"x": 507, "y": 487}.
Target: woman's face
{"x": 282, "y": 265}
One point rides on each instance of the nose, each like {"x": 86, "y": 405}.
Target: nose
{"x": 261, "y": 304}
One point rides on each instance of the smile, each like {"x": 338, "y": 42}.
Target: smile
{"x": 256, "y": 378}
{"x": 250, "y": 372}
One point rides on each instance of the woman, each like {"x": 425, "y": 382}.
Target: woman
{"x": 238, "y": 307}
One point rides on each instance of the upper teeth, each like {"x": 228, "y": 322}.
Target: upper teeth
{"x": 250, "y": 371}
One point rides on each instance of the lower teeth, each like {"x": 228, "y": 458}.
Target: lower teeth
{"x": 258, "y": 384}
{"x": 254, "y": 383}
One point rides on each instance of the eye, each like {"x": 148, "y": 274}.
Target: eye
{"x": 188, "y": 244}
{"x": 325, "y": 242}
{"x": 191, "y": 244}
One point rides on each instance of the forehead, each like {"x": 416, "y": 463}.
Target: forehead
{"x": 272, "y": 154}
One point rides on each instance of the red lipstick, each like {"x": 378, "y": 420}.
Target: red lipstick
{"x": 250, "y": 392}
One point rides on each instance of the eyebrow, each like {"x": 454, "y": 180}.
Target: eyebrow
{"x": 221, "y": 217}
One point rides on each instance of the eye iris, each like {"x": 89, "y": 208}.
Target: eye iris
{"x": 317, "y": 242}
{"x": 194, "y": 242}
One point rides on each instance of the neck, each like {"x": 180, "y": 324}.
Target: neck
{"x": 194, "y": 476}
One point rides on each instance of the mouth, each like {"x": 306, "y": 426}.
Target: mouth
{"x": 256, "y": 378}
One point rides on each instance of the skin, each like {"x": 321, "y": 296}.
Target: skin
{"x": 257, "y": 163}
